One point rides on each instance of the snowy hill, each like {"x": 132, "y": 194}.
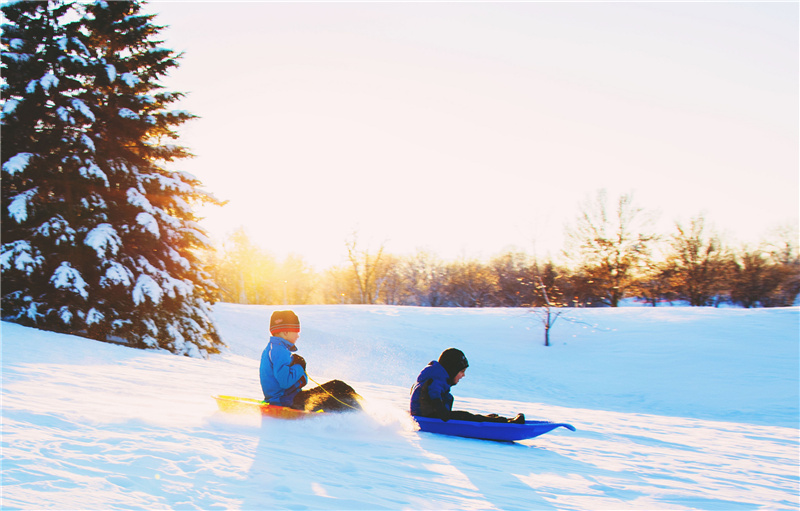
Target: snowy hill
{"x": 676, "y": 408}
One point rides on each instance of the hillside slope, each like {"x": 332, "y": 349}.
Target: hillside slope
{"x": 675, "y": 409}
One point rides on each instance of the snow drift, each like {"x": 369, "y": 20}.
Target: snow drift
{"x": 676, "y": 408}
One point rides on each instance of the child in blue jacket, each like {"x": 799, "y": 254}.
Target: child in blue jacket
{"x": 283, "y": 373}
{"x": 430, "y": 395}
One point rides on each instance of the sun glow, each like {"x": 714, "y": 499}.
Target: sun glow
{"x": 452, "y": 129}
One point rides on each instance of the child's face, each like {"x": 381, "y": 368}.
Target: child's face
{"x": 458, "y": 377}
{"x": 291, "y": 336}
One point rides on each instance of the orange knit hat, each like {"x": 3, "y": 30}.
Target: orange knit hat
{"x": 284, "y": 321}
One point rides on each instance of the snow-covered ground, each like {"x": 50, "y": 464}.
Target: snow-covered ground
{"x": 676, "y": 408}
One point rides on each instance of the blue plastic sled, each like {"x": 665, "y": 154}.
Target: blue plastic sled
{"x": 488, "y": 430}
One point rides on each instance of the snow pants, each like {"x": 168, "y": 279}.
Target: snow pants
{"x": 333, "y": 396}
{"x": 474, "y": 417}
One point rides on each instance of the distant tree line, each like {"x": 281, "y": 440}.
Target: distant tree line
{"x": 611, "y": 254}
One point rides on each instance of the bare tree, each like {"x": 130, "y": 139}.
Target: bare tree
{"x": 338, "y": 286}
{"x": 697, "y": 263}
{"x": 610, "y": 246}
{"x": 365, "y": 268}
{"x": 514, "y": 287}
{"x": 391, "y": 286}
{"x": 754, "y": 278}
{"x": 423, "y": 275}
{"x": 654, "y": 285}
{"x": 470, "y": 283}
{"x": 550, "y": 309}
{"x": 783, "y": 251}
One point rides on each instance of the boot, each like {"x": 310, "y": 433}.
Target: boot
{"x": 518, "y": 419}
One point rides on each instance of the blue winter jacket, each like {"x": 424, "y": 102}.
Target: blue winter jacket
{"x": 439, "y": 388}
{"x": 280, "y": 381}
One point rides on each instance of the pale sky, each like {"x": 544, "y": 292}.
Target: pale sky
{"x": 469, "y": 128}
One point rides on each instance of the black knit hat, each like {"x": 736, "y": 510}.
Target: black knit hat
{"x": 453, "y": 361}
{"x": 284, "y": 321}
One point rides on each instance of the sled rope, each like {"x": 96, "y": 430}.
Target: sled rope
{"x": 326, "y": 391}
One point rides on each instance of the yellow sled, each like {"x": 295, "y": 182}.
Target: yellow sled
{"x": 231, "y": 404}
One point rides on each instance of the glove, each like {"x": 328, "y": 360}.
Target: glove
{"x": 297, "y": 386}
{"x": 298, "y": 360}
{"x": 440, "y": 410}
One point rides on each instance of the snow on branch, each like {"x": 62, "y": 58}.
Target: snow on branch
{"x": 68, "y": 278}
{"x": 94, "y": 317}
{"x": 18, "y": 57}
{"x": 47, "y": 81}
{"x": 20, "y": 256}
{"x": 170, "y": 184}
{"x": 115, "y": 274}
{"x": 176, "y": 287}
{"x": 146, "y": 287}
{"x": 64, "y": 115}
{"x": 149, "y": 223}
{"x": 93, "y": 171}
{"x": 137, "y": 199}
{"x": 18, "y": 209}
{"x": 127, "y": 113}
{"x": 17, "y": 163}
{"x": 199, "y": 234}
{"x": 104, "y": 240}
{"x": 88, "y": 142}
{"x": 130, "y": 79}
{"x": 57, "y": 227}
{"x": 83, "y": 108}
{"x": 65, "y": 314}
{"x": 10, "y": 106}
{"x": 177, "y": 258}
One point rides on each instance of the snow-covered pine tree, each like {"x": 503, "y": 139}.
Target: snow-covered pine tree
{"x": 98, "y": 238}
